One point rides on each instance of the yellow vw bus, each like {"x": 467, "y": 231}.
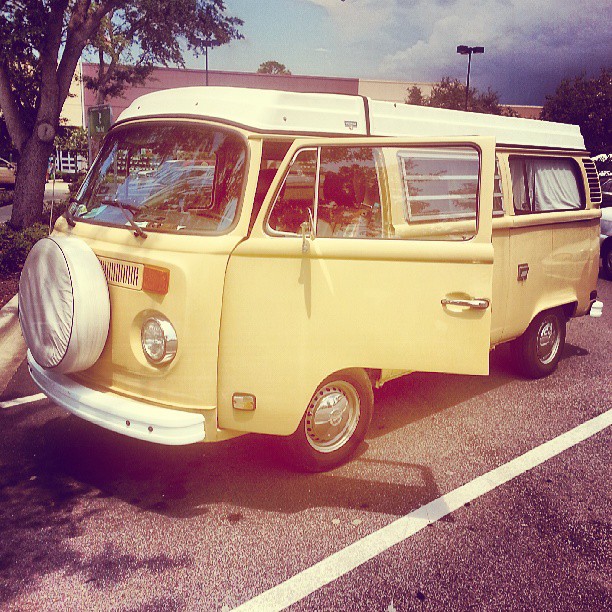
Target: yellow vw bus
{"x": 243, "y": 260}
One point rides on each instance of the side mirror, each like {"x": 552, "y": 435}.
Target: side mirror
{"x": 308, "y": 232}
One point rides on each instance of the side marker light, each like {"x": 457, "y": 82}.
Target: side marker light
{"x": 243, "y": 401}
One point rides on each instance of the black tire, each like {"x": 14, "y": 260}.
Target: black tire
{"x": 606, "y": 259}
{"x": 317, "y": 448}
{"x": 540, "y": 348}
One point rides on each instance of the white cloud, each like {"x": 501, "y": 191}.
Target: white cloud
{"x": 527, "y": 42}
{"x": 359, "y": 20}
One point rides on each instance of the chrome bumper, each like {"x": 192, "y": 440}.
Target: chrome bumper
{"x": 117, "y": 413}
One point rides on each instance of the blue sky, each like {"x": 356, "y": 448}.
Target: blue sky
{"x": 530, "y": 44}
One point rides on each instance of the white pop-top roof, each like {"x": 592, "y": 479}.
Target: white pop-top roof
{"x": 268, "y": 110}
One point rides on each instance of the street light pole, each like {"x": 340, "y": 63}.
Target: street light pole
{"x": 467, "y": 86}
{"x": 465, "y": 50}
{"x": 206, "y": 55}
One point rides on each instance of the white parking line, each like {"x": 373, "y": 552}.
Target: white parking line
{"x": 23, "y": 400}
{"x": 340, "y": 563}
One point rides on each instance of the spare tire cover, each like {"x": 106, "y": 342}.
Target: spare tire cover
{"x": 64, "y": 307}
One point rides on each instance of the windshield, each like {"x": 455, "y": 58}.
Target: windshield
{"x": 180, "y": 178}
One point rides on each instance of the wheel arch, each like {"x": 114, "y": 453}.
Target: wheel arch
{"x": 546, "y": 334}
{"x": 567, "y": 305}
{"x": 330, "y": 432}
{"x": 367, "y": 375}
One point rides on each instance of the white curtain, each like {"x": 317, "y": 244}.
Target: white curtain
{"x": 552, "y": 184}
{"x": 518, "y": 185}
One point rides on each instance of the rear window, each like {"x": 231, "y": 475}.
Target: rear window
{"x": 545, "y": 184}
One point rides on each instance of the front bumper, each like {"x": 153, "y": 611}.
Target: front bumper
{"x": 120, "y": 414}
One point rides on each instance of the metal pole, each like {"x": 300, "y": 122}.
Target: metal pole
{"x": 467, "y": 88}
{"x": 206, "y": 54}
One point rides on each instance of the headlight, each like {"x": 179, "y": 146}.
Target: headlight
{"x": 158, "y": 338}
{"x": 606, "y": 227}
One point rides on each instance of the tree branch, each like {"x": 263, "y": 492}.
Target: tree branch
{"x": 10, "y": 110}
{"x": 81, "y": 28}
{"x": 48, "y": 109}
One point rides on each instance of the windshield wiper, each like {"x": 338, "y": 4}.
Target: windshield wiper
{"x": 138, "y": 231}
{"x": 69, "y": 218}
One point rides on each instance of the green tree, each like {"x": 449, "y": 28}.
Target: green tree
{"x": 586, "y": 102}
{"x": 415, "y": 96}
{"x": 272, "y": 67}
{"x": 72, "y": 139}
{"x": 129, "y": 44}
{"x": 450, "y": 93}
{"x": 46, "y": 39}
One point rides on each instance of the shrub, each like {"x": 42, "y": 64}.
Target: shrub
{"x": 75, "y": 185}
{"x": 15, "y": 245}
{"x": 6, "y": 198}
{"x": 69, "y": 177}
{"x": 59, "y": 208}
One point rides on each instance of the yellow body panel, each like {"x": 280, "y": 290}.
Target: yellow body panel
{"x": 261, "y": 315}
{"x": 499, "y": 299}
{"x": 561, "y": 250}
{"x": 193, "y": 305}
{"x": 291, "y": 318}
{"x": 562, "y": 266}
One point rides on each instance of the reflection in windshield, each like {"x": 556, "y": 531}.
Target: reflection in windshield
{"x": 173, "y": 178}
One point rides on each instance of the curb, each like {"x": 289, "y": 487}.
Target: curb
{"x": 12, "y": 345}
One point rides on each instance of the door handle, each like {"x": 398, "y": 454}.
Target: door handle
{"x": 477, "y": 303}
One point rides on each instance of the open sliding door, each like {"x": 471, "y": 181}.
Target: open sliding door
{"x": 371, "y": 253}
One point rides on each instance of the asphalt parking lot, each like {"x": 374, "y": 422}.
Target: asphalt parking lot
{"x": 91, "y": 520}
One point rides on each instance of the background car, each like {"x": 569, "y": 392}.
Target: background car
{"x": 605, "y": 237}
{"x": 7, "y": 174}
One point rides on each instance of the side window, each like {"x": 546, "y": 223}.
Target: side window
{"x": 440, "y": 185}
{"x": 297, "y": 194}
{"x": 498, "y": 198}
{"x": 272, "y": 155}
{"x": 349, "y": 202}
{"x": 545, "y": 184}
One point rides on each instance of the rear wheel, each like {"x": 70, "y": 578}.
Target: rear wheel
{"x": 606, "y": 260}
{"x": 334, "y": 424}
{"x": 541, "y": 346}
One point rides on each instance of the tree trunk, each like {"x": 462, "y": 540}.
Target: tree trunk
{"x": 30, "y": 182}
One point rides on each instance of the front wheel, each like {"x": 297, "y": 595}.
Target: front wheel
{"x": 541, "y": 346}
{"x": 334, "y": 424}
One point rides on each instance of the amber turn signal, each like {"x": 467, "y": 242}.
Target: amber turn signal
{"x": 155, "y": 279}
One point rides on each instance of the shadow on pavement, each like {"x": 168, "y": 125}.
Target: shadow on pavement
{"x": 58, "y": 473}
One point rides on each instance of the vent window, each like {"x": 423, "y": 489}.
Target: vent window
{"x": 592, "y": 179}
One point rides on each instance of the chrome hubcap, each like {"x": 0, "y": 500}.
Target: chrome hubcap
{"x": 332, "y": 417}
{"x": 548, "y": 340}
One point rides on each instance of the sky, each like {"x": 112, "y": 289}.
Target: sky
{"x": 530, "y": 45}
